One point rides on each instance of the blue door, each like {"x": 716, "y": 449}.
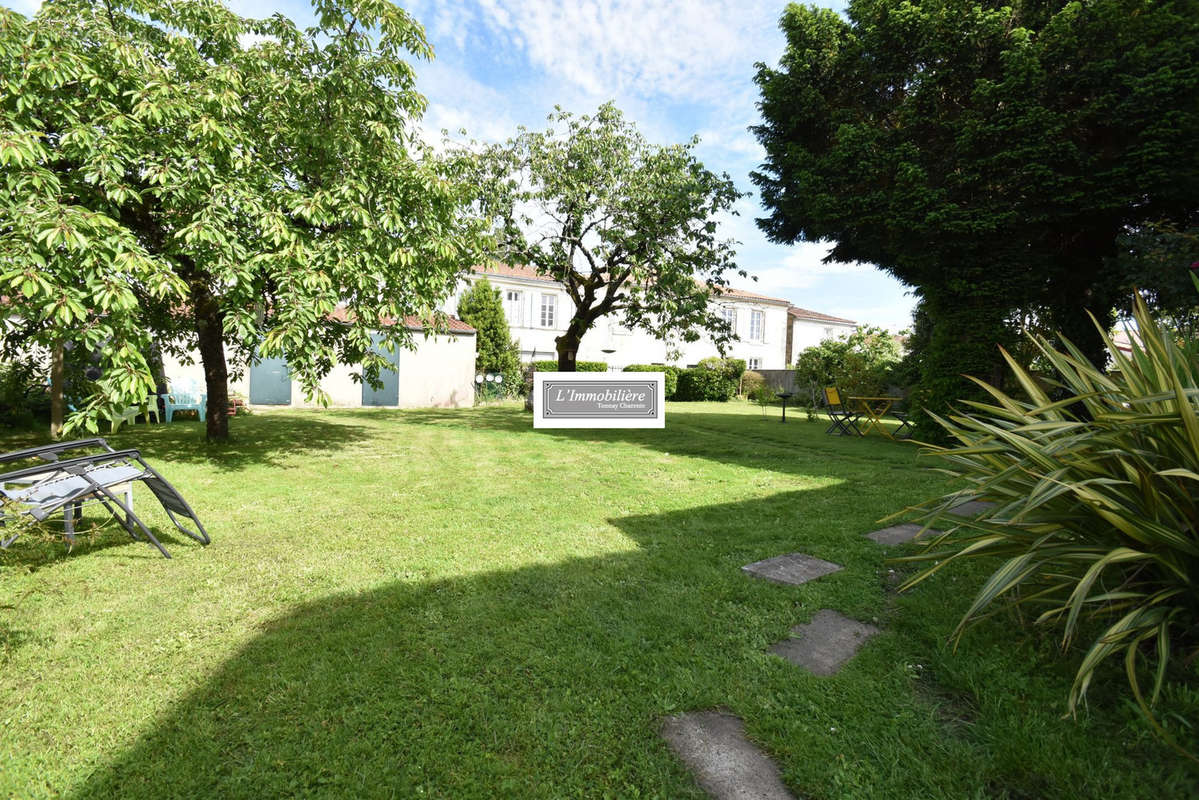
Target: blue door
{"x": 270, "y": 383}
{"x": 389, "y": 393}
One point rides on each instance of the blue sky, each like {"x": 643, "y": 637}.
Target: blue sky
{"x": 675, "y": 67}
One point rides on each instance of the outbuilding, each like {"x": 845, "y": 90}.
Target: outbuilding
{"x": 437, "y": 372}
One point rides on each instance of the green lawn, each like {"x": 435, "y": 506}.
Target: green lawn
{"x": 450, "y": 604}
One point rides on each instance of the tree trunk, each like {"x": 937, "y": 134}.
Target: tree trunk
{"x": 57, "y": 381}
{"x": 967, "y": 331}
{"x": 210, "y": 335}
{"x": 568, "y": 351}
{"x": 1084, "y": 283}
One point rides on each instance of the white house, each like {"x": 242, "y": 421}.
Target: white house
{"x": 810, "y": 328}
{"x": 538, "y": 309}
{"x": 438, "y": 372}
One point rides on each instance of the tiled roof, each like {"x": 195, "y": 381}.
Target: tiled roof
{"x": 728, "y": 291}
{"x": 803, "y": 313}
{"x": 506, "y": 271}
{"x": 528, "y": 273}
{"x": 412, "y": 322}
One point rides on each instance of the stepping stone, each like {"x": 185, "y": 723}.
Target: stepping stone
{"x": 898, "y": 534}
{"x": 972, "y": 507}
{"x": 825, "y": 643}
{"x": 725, "y": 764}
{"x": 793, "y": 568}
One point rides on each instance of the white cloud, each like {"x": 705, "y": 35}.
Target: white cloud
{"x": 679, "y": 49}
{"x": 801, "y": 268}
{"x": 24, "y": 7}
{"x": 895, "y": 316}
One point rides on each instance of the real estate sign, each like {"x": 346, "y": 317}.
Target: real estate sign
{"x": 599, "y": 400}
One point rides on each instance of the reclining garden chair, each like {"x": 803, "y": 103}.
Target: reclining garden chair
{"x": 844, "y": 420}
{"x": 67, "y": 484}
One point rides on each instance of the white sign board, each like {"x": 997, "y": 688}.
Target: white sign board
{"x": 599, "y": 400}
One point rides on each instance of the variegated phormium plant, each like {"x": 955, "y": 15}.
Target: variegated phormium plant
{"x": 1096, "y": 503}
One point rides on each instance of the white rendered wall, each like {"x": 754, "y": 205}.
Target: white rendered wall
{"x": 809, "y": 333}
{"x": 439, "y": 372}
{"x": 630, "y": 347}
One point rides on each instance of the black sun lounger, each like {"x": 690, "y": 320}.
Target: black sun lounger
{"x": 66, "y": 484}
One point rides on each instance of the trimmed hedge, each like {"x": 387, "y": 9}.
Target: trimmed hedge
{"x": 701, "y": 383}
{"x": 714, "y": 379}
{"x": 551, "y": 365}
{"x": 672, "y": 375}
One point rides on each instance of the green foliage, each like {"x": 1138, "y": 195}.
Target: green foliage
{"x": 756, "y": 388}
{"x": 1157, "y": 261}
{"x": 672, "y": 375}
{"x": 634, "y": 229}
{"x": 549, "y": 365}
{"x": 480, "y": 307}
{"x": 23, "y": 395}
{"x": 990, "y": 155}
{"x": 862, "y": 364}
{"x": 201, "y": 179}
{"x": 713, "y": 379}
{"x": 1095, "y": 522}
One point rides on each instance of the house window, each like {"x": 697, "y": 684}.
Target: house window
{"x": 549, "y": 304}
{"x": 730, "y": 316}
{"x": 756, "y": 326}
{"x": 514, "y": 307}
{"x": 754, "y": 363}
{"x": 828, "y": 333}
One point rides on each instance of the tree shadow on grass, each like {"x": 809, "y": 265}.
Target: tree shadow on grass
{"x": 260, "y": 439}
{"x": 544, "y": 681}
{"x": 94, "y": 535}
{"x": 547, "y": 680}
{"x": 797, "y": 447}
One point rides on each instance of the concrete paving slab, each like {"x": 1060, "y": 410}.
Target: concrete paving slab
{"x": 726, "y": 765}
{"x": 972, "y": 507}
{"x": 898, "y": 534}
{"x": 793, "y": 568}
{"x": 826, "y": 643}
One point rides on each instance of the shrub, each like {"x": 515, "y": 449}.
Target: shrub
{"x": 481, "y": 307}
{"x": 751, "y": 382}
{"x": 672, "y": 375}
{"x": 24, "y": 398}
{"x": 757, "y": 389}
{"x": 713, "y": 379}
{"x": 551, "y": 365}
{"x": 863, "y": 364}
{"x": 1097, "y": 498}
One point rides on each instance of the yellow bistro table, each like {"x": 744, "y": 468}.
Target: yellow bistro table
{"x": 873, "y": 409}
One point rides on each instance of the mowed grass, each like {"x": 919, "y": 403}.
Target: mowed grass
{"x": 451, "y": 604}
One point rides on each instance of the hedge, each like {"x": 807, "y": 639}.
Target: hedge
{"x": 713, "y": 378}
{"x": 551, "y": 365}
{"x": 702, "y": 383}
{"x": 672, "y": 375}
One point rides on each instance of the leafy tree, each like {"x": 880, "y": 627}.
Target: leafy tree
{"x": 988, "y": 154}
{"x": 627, "y": 226}
{"x": 481, "y": 307}
{"x": 180, "y": 173}
{"x": 1163, "y": 261}
{"x": 862, "y": 364}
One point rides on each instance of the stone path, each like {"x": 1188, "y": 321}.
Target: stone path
{"x": 725, "y": 764}
{"x": 826, "y": 643}
{"x": 898, "y": 534}
{"x": 792, "y": 568}
{"x": 972, "y": 507}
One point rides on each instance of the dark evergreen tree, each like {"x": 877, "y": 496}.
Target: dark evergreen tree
{"x": 988, "y": 154}
{"x": 480, "y": 307}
